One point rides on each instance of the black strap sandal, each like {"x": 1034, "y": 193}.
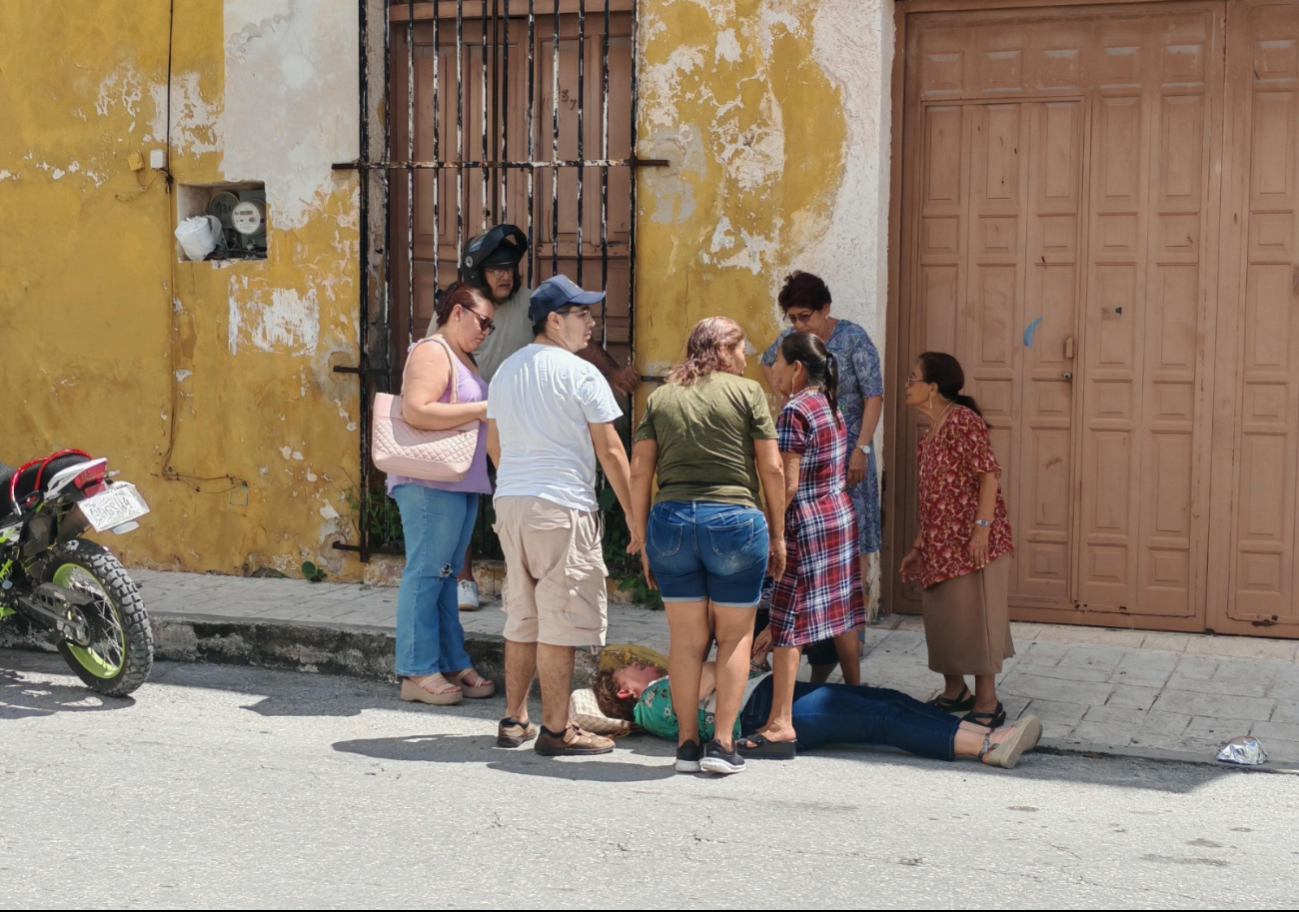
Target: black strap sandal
{"x": 964, "y": 702}
{"x": 992, "y": 720}
{"x": 760, "y": 747}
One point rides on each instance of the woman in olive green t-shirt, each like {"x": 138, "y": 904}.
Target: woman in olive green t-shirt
{"x": 709, "y": 436}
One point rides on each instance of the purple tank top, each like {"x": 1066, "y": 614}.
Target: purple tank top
{"x": 470, "y": 388}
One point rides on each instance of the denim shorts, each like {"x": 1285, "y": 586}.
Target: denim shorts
{"x": 703, "y": 550}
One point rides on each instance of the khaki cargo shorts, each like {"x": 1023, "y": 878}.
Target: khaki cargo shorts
{"x": 554, "y": 589}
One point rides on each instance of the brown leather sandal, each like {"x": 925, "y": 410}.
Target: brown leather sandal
{"x": 417, "y": 690}
{"x": 479, "y": 690}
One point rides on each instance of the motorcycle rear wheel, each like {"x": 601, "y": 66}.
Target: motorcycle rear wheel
{"x": 120, "y": 658}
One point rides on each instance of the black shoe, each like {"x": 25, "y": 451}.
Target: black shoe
{"x": 721, "y": 761}
{"x": 964, "y": 702}
{"x": 688, "y": 757}
{"x": 993, "y": 720}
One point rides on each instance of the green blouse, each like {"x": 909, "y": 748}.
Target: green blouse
{"x": 655, "y": 715}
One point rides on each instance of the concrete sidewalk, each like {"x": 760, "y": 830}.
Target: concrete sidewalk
{"x": 1166, "y": 695}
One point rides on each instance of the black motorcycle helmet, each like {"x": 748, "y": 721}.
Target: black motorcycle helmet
{"x": 504, "y": 245}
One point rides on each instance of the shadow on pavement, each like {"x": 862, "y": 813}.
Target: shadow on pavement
{"x": 1043, "y": 766}
{"x": 294, "y": 694}
{"x": 24, "y": 699}
{"x": 523, "y": 762}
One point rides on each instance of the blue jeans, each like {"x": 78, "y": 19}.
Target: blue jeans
{"x": 856, "y": 714}
{"x": 701, "y": 550}
{"x": 437, "y": 525}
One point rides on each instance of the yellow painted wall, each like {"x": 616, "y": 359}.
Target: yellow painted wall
{"x": 209, "y": 387}
{"x": 770, "y": 112}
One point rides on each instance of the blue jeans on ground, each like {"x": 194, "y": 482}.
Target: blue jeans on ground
{"x": 437, "y": 525}
{"x": 702, "y": 550}
{"x": 856, "y": 714}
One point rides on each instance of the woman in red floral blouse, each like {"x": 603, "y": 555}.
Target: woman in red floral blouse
{"x": 961, "y": 556}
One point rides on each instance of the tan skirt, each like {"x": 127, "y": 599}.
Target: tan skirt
{"x": 967, "y": 621}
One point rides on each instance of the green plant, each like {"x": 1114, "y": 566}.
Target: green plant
{"x": 313, "y": 573}
{"x": 624, "y": 567}
{"x": 640, "y": 591}
{"x": 379, "y": 516}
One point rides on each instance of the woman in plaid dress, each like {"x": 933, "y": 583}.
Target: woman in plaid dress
{"x": 819, "y": 596}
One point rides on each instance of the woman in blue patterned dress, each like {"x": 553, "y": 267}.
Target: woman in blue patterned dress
{"x": 819, "y": 596}
{"x": 805, "y": 300}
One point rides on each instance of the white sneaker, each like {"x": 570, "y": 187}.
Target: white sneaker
{"x": 468, "y": 595}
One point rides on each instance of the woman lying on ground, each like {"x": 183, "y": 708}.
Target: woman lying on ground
{"x": 823, "y": 714}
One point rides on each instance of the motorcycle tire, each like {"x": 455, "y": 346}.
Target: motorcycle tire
{"x": 120, "y": 659}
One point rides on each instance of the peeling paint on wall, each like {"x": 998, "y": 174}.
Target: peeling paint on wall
{"x": 773, "y": 116}
{"x": 279, "y": 320}
{"x": 283, "y": 88}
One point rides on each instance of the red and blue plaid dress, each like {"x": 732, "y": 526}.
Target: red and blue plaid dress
{"x": 820, "y": 594}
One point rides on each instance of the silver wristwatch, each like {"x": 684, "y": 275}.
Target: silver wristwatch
{"x": 865, "y": 448}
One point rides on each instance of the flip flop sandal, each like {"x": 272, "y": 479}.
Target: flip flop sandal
{"x": 964, "y": 702}
{"x": 1028, "y": 731}
{"x": 483, "y": 689}
{"x": 445, "y": 695}
{"x": 760, "y": 747}
{"x": 995, "y": 719}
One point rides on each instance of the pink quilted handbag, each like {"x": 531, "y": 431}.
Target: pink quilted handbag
{"x": 400, "y": 449}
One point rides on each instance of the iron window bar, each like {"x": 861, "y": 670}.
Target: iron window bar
{"x": 377, "y": 361}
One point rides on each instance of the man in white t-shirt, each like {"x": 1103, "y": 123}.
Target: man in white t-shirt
{"x": 550, "y": 418}
{"x": 493, "y": 260}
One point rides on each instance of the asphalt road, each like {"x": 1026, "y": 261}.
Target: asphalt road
{"x": 234, "y": 787}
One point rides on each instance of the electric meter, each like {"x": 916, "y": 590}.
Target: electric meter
{"x": 249, "y": 218}
{"x": 222, "y": 205}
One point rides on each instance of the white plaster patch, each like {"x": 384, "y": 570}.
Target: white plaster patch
{"x": 7, "y": 175}
{"x": 291, "y": 101}
{"x": 124, "y": 88}
{"x": 728, "y": 47}
{"x": 663, "y": 82}
{"x": 194, "y": 122}
{"x": 342, "y": 413}
{"x": 183, "y": 375}
{"x": 287, "y": 451}
{"x": 297, "y": 455}
{"x": 311, "y": 476}
{"x": 722, "y": 237}
{"x": 853, "y": 41}
{"x": 328, "y": 511}
{"x": 281, "y": 320}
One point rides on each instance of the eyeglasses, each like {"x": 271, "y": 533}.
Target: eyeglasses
{"x": 505, "y": 270}
{"x": 581, "y": 310}
{"x": 802, "y": 317}
{"x": 487, "y": 324}
{"x": 911, "y": 380}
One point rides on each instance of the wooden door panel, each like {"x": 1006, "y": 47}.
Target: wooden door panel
{"x": 1263, "y": 548}
{"x": 1099, "y": 223}
{"x": 1043, "y": 496}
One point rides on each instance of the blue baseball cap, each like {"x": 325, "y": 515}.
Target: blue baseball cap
{"x": 556, "y": 292}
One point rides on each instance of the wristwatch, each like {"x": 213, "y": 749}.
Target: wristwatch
{"x": 982, "y": 522}
{"x": 865, "y": 448}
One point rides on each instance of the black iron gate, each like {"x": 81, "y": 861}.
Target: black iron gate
{"x": 487, "y": 121}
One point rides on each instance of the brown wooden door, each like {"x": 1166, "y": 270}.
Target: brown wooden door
{"x": 998, "y": 232}
{"x": 1059, "y": 238}
{"x": 1255, "y": 586}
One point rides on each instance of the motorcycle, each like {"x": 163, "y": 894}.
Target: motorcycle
{"x": 71, "y": 586}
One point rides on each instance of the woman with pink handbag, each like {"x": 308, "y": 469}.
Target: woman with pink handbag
{"x": 429, "y": 432}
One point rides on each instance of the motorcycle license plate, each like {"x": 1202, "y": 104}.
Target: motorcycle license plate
{"x": 120, "y": 503}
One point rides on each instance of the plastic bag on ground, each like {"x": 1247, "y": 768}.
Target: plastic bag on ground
{"x": 1243, "y": 751}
